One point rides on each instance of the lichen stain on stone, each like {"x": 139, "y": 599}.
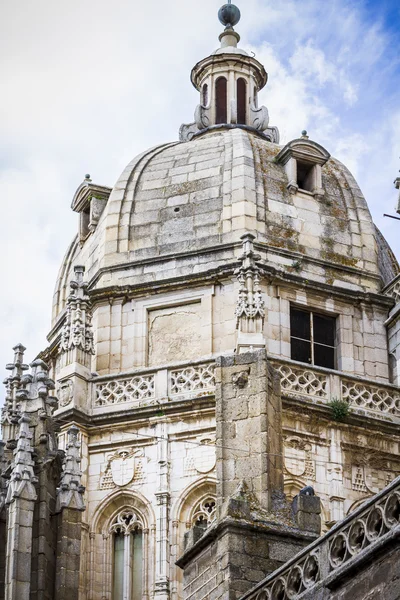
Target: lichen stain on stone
{"x": 340, "y": 259}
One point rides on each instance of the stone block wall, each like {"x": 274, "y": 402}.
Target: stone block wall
{"x": 248, "y": 427}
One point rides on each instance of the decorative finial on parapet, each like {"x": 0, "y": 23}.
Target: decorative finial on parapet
{"x": 250, "y": 305}
{"x": 77, "y": 330}
{"x": 304, "y": 135}
{"x": 87, "y": 178}
{"x": 23, "y": 479}
{"x": 70, "y": 492}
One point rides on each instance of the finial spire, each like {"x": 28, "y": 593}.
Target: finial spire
{"x": 229, "y": 15}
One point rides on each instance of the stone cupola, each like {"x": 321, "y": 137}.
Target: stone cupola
{"x": 229, "y": 81}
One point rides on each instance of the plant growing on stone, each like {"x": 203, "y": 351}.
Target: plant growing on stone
{"x": 340, "y": 409}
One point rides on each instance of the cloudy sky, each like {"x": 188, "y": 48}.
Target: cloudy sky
{"x": 85, "y": 85}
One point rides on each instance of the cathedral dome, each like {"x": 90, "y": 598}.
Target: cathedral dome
{"x": 199, "y": 197}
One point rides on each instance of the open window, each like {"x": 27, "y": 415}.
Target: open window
{"x": 205, "y": 95}
{"x": 241, "y": 101}
{"x": 305, "y": 176}
{"x": 312, "y": 338}
{"x": 221, "y": 107}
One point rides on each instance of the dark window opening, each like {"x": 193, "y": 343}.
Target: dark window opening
{"x": 312, "y": 338}
{"x": 84, "y": 223}
{"x": 305, "y": 176}
{"x": 241, "y": 101}
{"x": 221, "y": 100}
{"x": 205, "y": 95}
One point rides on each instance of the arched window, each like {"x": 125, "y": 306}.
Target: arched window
{"x": 241, "y": 101}
{"x": 205, "y": 95}
{"x": 127, "y": 531}
{"x": 221, "y": 112}
{"x": 204, "y": 512}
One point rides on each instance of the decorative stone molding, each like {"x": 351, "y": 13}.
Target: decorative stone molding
{"x": 77, "y": 331}
{"x": 204, "y": 512}
{"x": 303, "y": 381}
{"x": 250, "y": 305}
{"x": 368, "y": 397}
{"x": 298, "y": 458}
{"x": 65, "y": 392}
{"x": 371, "y": 397}
{"x": 70, "y": 493}
{"x": 126, "y": 522}
{"x": 192, "y": 379}
{"x": 139, "y": 389}
{"x": 123, "y": 467}
{"x": 200, "y": 459}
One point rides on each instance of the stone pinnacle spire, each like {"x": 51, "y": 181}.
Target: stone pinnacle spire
{"x": 23, "y": 479}
{"x": 70, "y": 493}
{"x": 11, "y": 412}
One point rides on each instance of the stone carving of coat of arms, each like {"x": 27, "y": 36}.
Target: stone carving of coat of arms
{"x": 298, "y": 461}
{"x": 201, "y": 458}
{"x": 122, "y": 466}
{"x": 65, "y": 392}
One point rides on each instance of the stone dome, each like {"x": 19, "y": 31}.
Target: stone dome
{"x": 181, "y": 208}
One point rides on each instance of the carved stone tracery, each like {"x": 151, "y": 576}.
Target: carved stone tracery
{"x": 77, "y": 331}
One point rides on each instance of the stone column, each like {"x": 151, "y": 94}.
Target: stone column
{"x": 249, "y": 428}
{"x": 161, "y": 591}
{"x": 69, "y": 514}
{"x": 20, "y": 500}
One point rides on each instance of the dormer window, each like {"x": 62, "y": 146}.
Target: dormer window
{"x": 89, "y": 201}
{"x": 303, "y": 161}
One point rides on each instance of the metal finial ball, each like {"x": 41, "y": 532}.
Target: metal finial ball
{"x": 87, "y": 176}
{"x": 229, "y": 15}
{"x": 304, "y": 132}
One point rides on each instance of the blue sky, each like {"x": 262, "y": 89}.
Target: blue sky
{"x": 85, "y": 86}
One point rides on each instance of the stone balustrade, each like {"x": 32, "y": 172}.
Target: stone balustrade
{"x": 151, "y": 386}
{"x": 355, "y": 539}
{"x": 324, "y": 385}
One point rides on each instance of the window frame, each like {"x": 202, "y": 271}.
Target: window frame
{"x": 311, "y": 313}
